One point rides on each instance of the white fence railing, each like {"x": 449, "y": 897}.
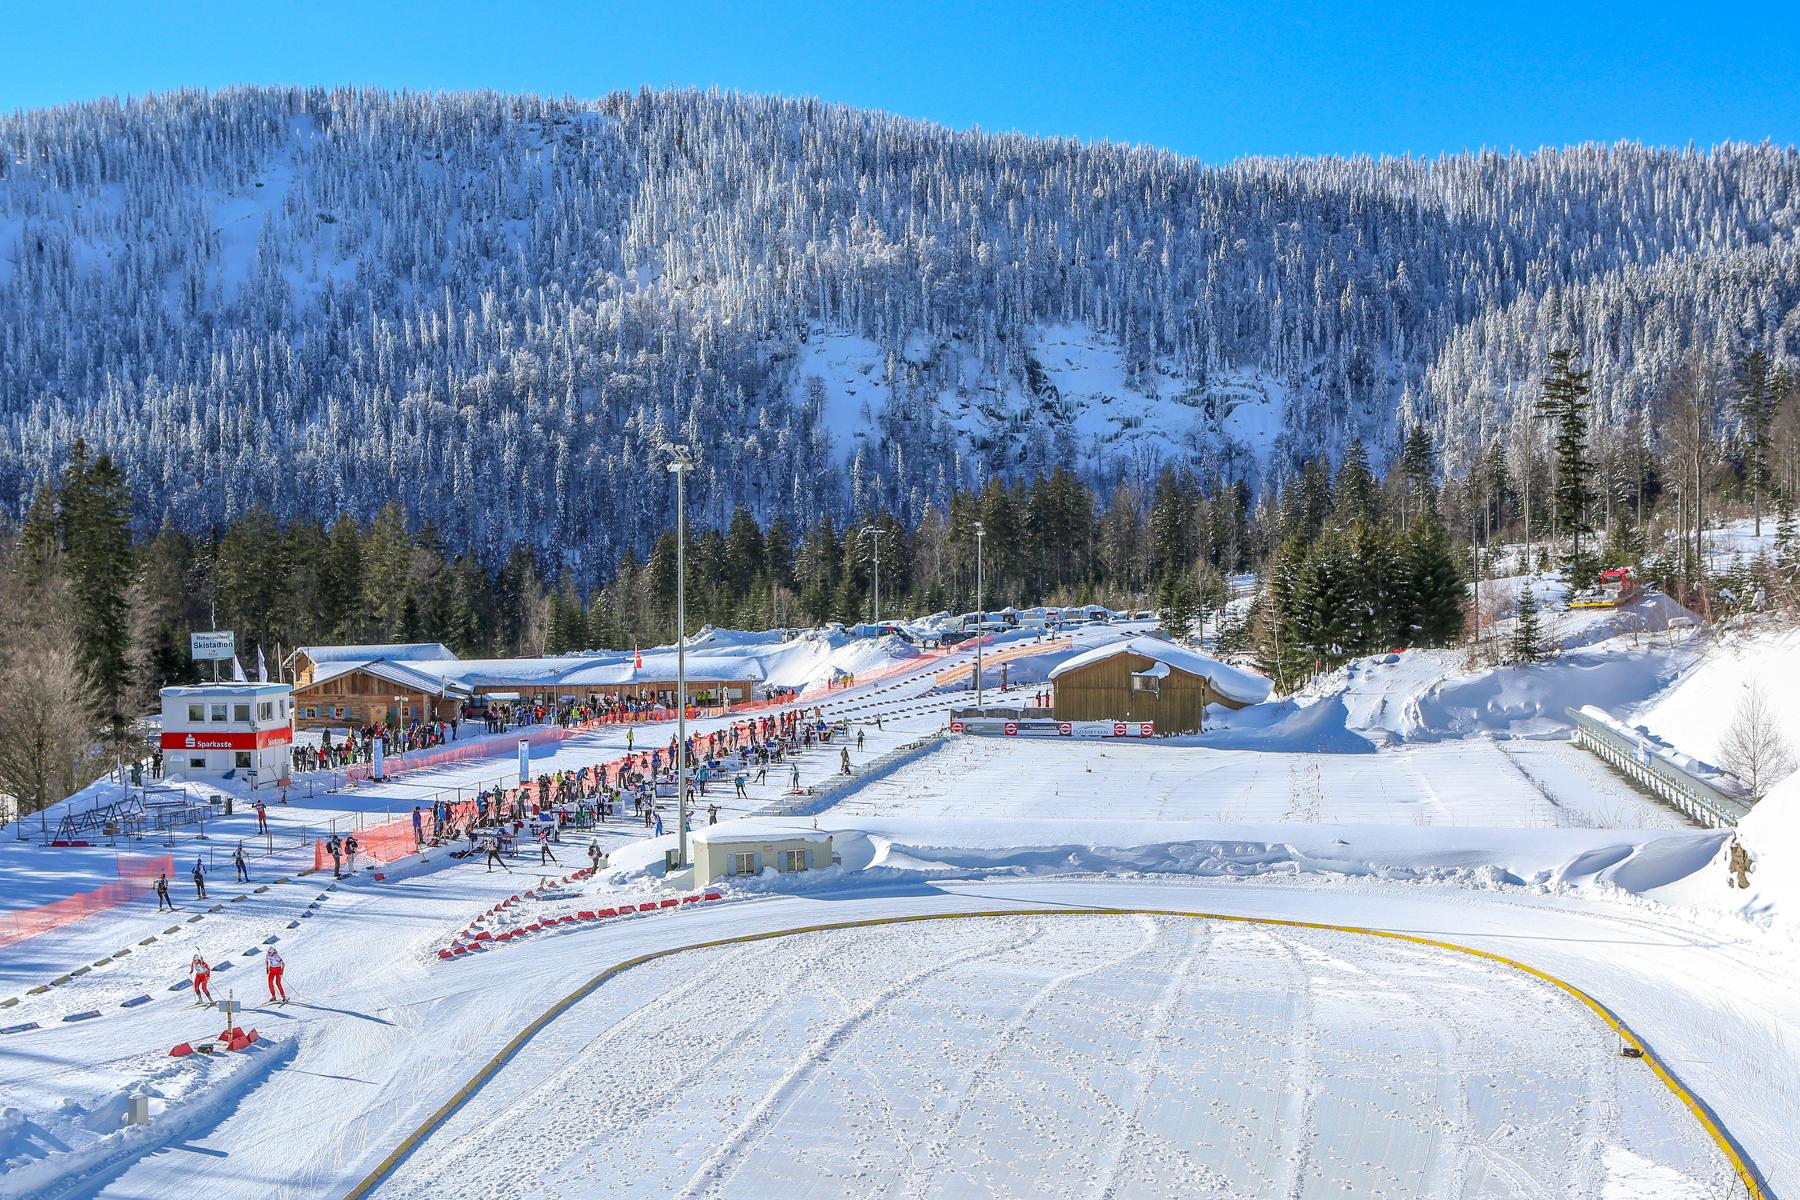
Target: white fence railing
{"x": 1693, "y": 796}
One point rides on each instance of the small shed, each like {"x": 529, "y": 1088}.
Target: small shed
{"x": 749, "y": 847}
{"x": 1148, "y": 679}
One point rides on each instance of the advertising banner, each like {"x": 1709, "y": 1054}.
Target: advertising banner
{"x": 524, "y": 761}
{"x": 228, "y": 741}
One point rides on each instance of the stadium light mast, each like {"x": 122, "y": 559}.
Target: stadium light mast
{"x": 872, "y": 535}
{"x": 980, "y": 617}
{"x": 679, "y": 466}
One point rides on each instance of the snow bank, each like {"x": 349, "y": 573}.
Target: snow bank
{"x": 899, "y": 851}
{"x": 83, "y": 1129}
{"x": 1429, "y": 695}
{"x": 1697, "y": 711}
{"x": 1771, "y": 833}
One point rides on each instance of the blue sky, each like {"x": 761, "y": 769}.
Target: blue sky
{"x": 1212, "y": 80}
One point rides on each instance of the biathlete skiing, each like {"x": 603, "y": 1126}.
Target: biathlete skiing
{"x": 275, "y": 965}
{"x": 202, "y": 974}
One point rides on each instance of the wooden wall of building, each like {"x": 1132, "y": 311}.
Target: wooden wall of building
{"x": 365, "y": 699}
{"x": 1101, "y": 691}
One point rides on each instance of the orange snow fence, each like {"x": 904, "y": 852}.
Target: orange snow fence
{"x": 137, "y": 877}
{"x": 376, "y": 844}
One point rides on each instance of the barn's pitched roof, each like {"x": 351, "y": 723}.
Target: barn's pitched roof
{"x": 1238, "y": 686}
{"x": 395, "y": 673}
{"x": 404, "y": 651}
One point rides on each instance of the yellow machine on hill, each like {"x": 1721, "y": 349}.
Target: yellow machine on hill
{"x": 1617, "y": 588}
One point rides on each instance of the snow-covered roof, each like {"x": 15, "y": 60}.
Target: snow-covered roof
{"x": 389, "y": 650}
{"x": 610, "y": 669}
{"x": 225, "y": 689}
{"x": 660, "y": 668}
{"x": 751, "y": 831}
{"x": 400, "y": 674}
{"x": 1238, "y": 686}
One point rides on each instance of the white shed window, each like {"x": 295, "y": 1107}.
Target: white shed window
{"x": 218, "y": 712}
{"x": 793, "y": 860}
{"x": 197, "y": 762}
{"x": 743, "y": 864}
{"x": 242, "y": 759}
{"x": 240, "y": 712}
{"x": 196, "y": 712}
{"x": 265, "y": 711}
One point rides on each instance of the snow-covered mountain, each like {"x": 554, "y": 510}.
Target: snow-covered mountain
{"x": 497, "y": 307}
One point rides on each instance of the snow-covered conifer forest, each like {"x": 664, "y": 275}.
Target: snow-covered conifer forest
{"x": 497, "y": 307}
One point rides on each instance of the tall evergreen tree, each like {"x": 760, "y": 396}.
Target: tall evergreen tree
{"x": 1758, "y": 393}
{"x": 1564, "y": 404}
{"x": 95, "y": 516}
{"x": 1438, "y": 585}
{"x": 1355, "y": 486}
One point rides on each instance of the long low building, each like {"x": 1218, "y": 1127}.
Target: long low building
{"x": 372, "y": 684}
{"x": 1148, "y": 679}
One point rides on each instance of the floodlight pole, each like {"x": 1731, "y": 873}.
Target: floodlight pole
{"x": 873, "y": 534}
{"x": 680, "y": 465}
{"x": 980, "y": 618}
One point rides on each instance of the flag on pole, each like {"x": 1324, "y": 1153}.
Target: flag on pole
{"x": 262, "y": 666}
{"x": 237, "y": 670}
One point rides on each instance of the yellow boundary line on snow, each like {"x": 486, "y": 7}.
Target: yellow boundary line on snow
{"x": 1746, "y": 1171}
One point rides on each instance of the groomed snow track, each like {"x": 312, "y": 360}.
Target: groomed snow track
{"x": 726, "y": 1157}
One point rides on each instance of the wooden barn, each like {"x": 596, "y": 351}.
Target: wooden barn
{"x": 1147, "y": 679}
{"x": 373, "y": 692}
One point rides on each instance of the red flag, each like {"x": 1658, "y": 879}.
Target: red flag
{"x": 639, "y": 656}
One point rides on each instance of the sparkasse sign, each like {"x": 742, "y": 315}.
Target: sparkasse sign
{"x": 257, "y": 740}
{"x": 215, "y": 644}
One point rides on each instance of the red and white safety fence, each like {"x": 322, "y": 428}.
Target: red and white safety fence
{"x": 475, "y": 937}
{"x": 1027, "y": 727}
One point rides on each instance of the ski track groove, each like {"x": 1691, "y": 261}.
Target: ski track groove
{"x": 975, "y": 1078}
{"x": 718, "y": 1168}
{"x": 1302, "y": 1126}
{"x": 1142, "y": 1070}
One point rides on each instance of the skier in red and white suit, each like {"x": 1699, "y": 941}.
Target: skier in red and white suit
{"x": 275, "y": 965}
{"x": 202, "y": 973}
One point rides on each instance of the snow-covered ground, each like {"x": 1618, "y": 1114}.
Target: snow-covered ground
{"x": 1477, "y": 782}
{"x": 1093, "y": 1054}
{"x": 1074, "y": 1056}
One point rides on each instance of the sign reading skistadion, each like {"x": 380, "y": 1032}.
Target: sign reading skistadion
{"x": 283, "y": 736}
{"x": 218, "y": 644}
